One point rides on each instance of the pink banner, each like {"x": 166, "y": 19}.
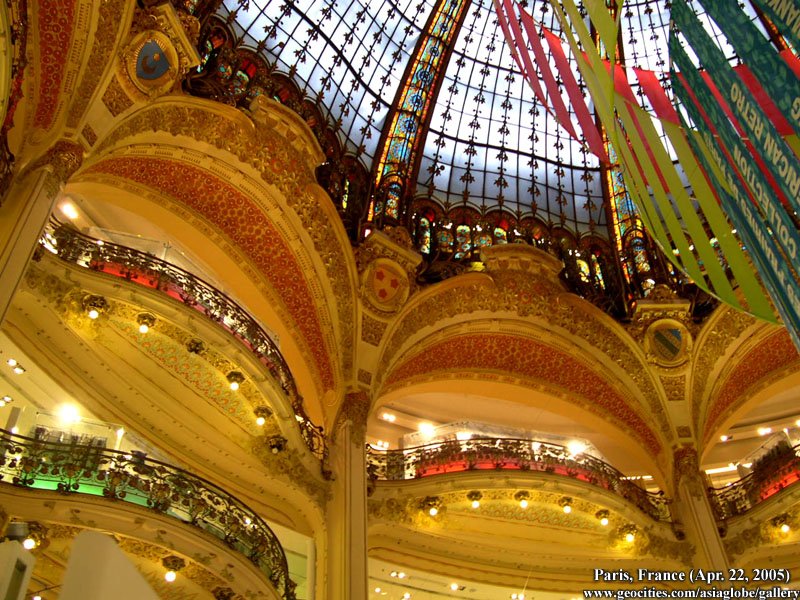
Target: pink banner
{"x": 522, "y": 48}
{"x": 658, "y": 98}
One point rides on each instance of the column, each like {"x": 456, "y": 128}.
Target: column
{"x": 693, "y": 509}
{"x": 25, "y": 210}
{"x": 346, "y": 563}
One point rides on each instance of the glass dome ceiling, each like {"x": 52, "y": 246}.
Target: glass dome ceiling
{"x": 490, "y": 143}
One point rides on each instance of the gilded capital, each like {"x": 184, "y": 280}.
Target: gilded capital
{"x": 63, "y": 158}
{"x": 354, "y": 410}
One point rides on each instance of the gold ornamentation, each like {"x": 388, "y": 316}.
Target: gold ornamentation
{"x": 115, "y": 98}
{"x": 89, "y": 135}
{"x": 385, "y": 285}
{"x": 667, "y": 343}
{"x": 684, "y": 431}
{"x": 287, "y": 466}
{"x": 63, "y": 158}
{"x": 674, "y": 387}
{"x": 365, "y": 377}
{"x": 279, "y": 164}
{"x": 372, "y": 329}
{"x": 110, "y": 28}
{"x": 354, "y": 409}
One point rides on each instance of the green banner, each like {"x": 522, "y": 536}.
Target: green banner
{"x": 781, "y": 283}
{"x": 786, "y": 16}
{"x": 777, "y": 155}
{"x": 775, "y": 76}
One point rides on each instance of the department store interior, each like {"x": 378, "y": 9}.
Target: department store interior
{"x": 320, "y": 300}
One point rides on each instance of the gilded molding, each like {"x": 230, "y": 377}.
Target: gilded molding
{"x": 89, "y": 135}
{"x": 539, "y": 298}
{"x": 286, "y": 465}
{"x": 372, "y": 329}
{"x": 355, "y": 410}
{"x": 109, "y": 30}
{"x": 63, "y": 158}
{"x": 115, "y": 98}
{"x": 279, "y": 164}
{"x": 364, "y": 377}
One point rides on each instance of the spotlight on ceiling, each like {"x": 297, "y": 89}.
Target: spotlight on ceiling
{"x": 276, "y": 444}
{"x": 781, "y": 522}
{"x": 94, "y": 305}
{"x": 5, "y": 400}
{"x": 145, "y": 321}
{"x": 431, "y": 505}
{"x": 262, "y": 414}
{"x": 602, "y": 516}
{"x": 235, "y": 379}
{"x": 172, "y": 564}
{"x": 522, "y": 497}
{"x": 475, "y": 498}
{"x": 566, "y": 505}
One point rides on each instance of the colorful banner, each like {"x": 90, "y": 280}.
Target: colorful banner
{"x": 781, "y": 283}
{"x": 786, "y": 16}
{"x": 761, "y": 58}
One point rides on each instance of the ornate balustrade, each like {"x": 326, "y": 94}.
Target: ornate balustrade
{"x": 774, "y": 473}
{"x": 73, "y": 468}
{"x": 454, "y": 456}
{"x": 146, "y": 270}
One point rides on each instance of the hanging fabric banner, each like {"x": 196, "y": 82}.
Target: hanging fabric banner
{"x": 780, "y": 83}
{"x": 786, "y": 16}
{"x": 768, "y": 256}
{"x": 518, "y": 42}
{"x": 780, "y": 159}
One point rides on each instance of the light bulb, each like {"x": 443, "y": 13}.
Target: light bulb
{"x": 476, "y": 504}
{"x": 785, "y": 528}
{"x": 18, "y": 370}
{"x": 170, "y": 576}
{"x": 630, "y": 537}
{"x": 144, "y": 328}
{"x": 69, "y": 211}
{"x": 523, "y": 503}
{"x": 604, "y": 521}
{"x": 454, "y": 586}
{"x": 11, "y": 362}
{"x": 234, "y": 386}
{"x": 567, "y": 509}
{"x": 433, "y": 511}
{"x": 29, "y": 543}
{"x": 260, "y": 421}
{"x": 93, "y": 313}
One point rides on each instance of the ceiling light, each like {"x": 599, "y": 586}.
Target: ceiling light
{"x": 566, "y": 505}
{"x": 785, "y": 528}
{"x": 170, "y": 576}
{"x": 5, "y": 400}
{"x": 427, "y": 430}
{"x": 406, "y": 596}
{"x": 764, "y": 430}
{"x": 37, "y": 597}
{"x": 724, "y": 438}
{"x": 146, "y": 321}
{"x": 68, "y": 414}
{"x": 11, "y": 362}
{"x": 454, "y": 587}
{"x": 172, "y": 564}
{"x": 602, "y": 516}
{"x": 29, "y": 543}
{"x": 401, "y": 575}
{"x": 235, "y": 379}
{"x": 629, "y": 537}
{"x": 389, "y": 417}
{"x": 576, "y": 447}
{"x": 797, "y": 422}
{"x": 94, "y": 305}
{"x": 19, "y": 370}
{"x": 475, "y": 497}
{"x": 393, "y": 574}
{"x": 463, "y": 436}
{"x": 378, "y": 590}
{"x": 522, "y": 497}
{"x": 433, "y": 511}
{"x": 262, "y": 414}
{"x": 68, "y": 210}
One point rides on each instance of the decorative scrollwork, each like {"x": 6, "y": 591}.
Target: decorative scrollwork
{"x": 146, "y": 270}
{"x": 454, "y": 456}
{"x": 77, "y": 468}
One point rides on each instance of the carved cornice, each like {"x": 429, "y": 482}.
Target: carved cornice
{"x": 286, "y": 465}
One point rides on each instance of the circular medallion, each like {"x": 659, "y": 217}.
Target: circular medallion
{"x": 667, "y": 342}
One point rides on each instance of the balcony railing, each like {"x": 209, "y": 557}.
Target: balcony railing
{"x": 775, "y": 472}
{"x": 454, "y": 456}
{"x": 146, "y": 270}
{"x": 73, "y": 468}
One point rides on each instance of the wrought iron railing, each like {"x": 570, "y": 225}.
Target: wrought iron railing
{"x": 775, "y": 472}
{"x": 454, "y": 456}
{"x": 73, "y": 468}
{"x": 147, "y": 270}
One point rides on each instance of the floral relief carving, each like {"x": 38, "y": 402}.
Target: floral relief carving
{"x": 531, "y": 297}
{"x": 529, "y": 360}
{"x": 770, "y": 358}
{"x": 372, "y": 329}
{"x": 115, "y": 98}
{"x": 239, "y": 218}
{"x": 282, "y": 165}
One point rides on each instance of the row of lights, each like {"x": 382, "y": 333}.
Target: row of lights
{"x": 15, "y": 366}
{"x": 762, "y": 431}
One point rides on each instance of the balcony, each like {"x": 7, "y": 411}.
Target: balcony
{"x": 144, "y": 269}
{"x": 520, "y": 455}
{"x": 76, "y": 468}
{"x": 776, "y": 471}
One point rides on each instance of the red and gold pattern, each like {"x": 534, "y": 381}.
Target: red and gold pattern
{"x": 243, "y": 222}
{"x": 532, "y": 360}
{"x": 771, "y": 355}
{"x": 55, "y": 23}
